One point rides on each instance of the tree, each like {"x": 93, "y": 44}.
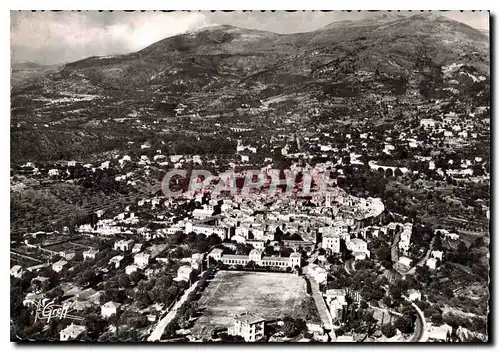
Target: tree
{"x": 405, "y": 324}
{"x": 293, "y": 327}
{"x": 123, "y": 280}
{"x": 389, "y": 330}
{"x": 269, "y": 250}
{"x": 250, "y": 265}
{"x": 285, "y": 252}
{"x": 87, "y": 277}
{"x": 383, "y": 254}
{"x": 437, "y": 319}
{"x": 214, "y": 239}
{"x": 136, "y": 276}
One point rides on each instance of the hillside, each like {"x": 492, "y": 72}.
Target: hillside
{"x": 72, "y": 112}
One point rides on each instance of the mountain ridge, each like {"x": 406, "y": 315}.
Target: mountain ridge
{"x": 215, "y": 69}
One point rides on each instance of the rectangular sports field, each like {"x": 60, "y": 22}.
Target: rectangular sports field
{"x": 269, "y": 295}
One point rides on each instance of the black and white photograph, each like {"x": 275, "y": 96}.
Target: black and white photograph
{"x": 250, "y": 177}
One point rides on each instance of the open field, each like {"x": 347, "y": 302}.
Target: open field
{"x": 269, "y": 295}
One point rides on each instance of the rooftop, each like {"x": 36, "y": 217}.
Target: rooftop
{"x": 249, "y": 318}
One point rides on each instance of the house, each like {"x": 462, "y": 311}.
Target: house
{"x": 238, "y": 239}
{"x": 249, "y": 326}
{"x": 440, "y": 333}
{"x": 116, "y": 261}
{"x": 216, "y": 254}
{"x": 203, "y": 213}
{"x": 257, "y": 244}
{"x": 207, "y": 230}
{"x": 241, "y": 231}
{"x": 437, "y": 255}
{"x": 71, "y": 332}
{"x": 17, "y": 271}
{"x": 132, "y": 268}
{"x": 109, "y": 308}
{"x": 405, "y": 261}
{"x": 197, "y": 261}
{"x": 137, "y": 248}
{"x": 414, "y": 295}
{"x": 317, "y": 273}
{"x": 53, "y": 172}
{"x": 431, "y": 263}
{"x": 331, "y": 242}
{"x": 90, "y": 254}
{"x": 359, "y": 248}
{"x": 183, "y": 273}
{"x": 58, "y": 266}
{"x": 142, "y": 260}
{"x": 67, "y": 255}
{"x": 123, "y": 245}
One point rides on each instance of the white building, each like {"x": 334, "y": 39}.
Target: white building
{"x": 58, "y": 266}
{"x": 132, "y": 268}
{"x": 53, "y": 172}
{"x": 71, "y": 332}
{"x": 109, "y": 308}
{"x": 206, "y": 230}
{"x": 216, "y": 254}
{"x": 183, "y": 273}
{"x": 414, "y": 295}
{"x": 331, "y": 242}
{"x": 137, "y": 248}
{"x": 257, "y": 244}
{"x": 123, "y": 245}
{"x": 90, "y": 254}
{"x": 405, "y": 237}
{"x": 257, "y": 257}
{"x": 405, "y": 261}
{"x": 241, "y": 231}
{"x": 431, "y": 263}
{"x": 440, "y": 333}
{"x": 116, "y": 261}
{"x": 142, "y": 260}
{"x": 248, "y": 326}
{"x": 203, "y": 213}
{"x": 437, "y": 255}
{"x": 197, "y": 261}
{"x": 359, "y": 248}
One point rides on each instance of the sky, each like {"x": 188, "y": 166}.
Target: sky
{"x": 59, "y": 37}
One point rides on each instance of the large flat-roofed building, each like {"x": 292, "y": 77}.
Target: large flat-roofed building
{"x": 248, "y": 326}
{"x": 257, "y": 257}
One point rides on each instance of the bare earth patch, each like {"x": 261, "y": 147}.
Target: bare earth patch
{"x": 269, "y": 295}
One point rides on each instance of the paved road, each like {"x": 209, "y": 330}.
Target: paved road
{"x": 349, "y": 266}
{"x": 421, "y": 334}
{"x": 323, "y": 311}
{"x": 162, "y": 324}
